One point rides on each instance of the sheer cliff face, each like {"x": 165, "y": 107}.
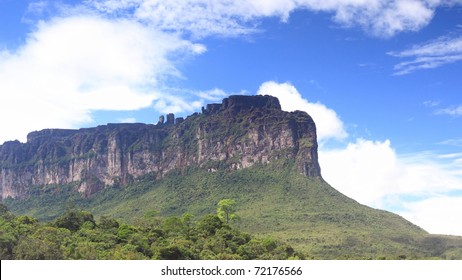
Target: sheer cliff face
{"x": 240, "y": 132}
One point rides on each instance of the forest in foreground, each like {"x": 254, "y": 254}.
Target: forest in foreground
{"x": 77, "y": 235}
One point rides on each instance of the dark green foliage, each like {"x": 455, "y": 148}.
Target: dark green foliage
{"x": 124, "y": 232}
{"x": 173, "y": 252}
{"x": 74, "y": 219}
{"x": 46, "y": 243}
{"x": 209, "y": 225}
{"x": 3, "y": 210}
{"x": 172, "y": 239}
{"x": 8, "y": 239}
{"x": 108, "y": 223}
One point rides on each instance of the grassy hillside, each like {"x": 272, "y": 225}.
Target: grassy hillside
{"x": 271, "y": 200}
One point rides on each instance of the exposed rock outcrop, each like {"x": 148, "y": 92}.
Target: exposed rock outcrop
{"x": 238, "y": 133}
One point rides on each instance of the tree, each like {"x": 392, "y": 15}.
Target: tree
{"x": 225, "y": 210}
{"x": 209, "y": 225}
{"x": 173, "y": 226}
{"x": 46, "y": 243}
{"x": 3, "y": 210}
{"x": 8, "y": 239}
{"x": 4, "y": 213}
{"x": 74, "y": 219}
{"x": 124, "y": 232}
{"x": 107, "y": 223}
{"x": 186, "y": 218}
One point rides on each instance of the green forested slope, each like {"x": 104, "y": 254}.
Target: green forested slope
{"x": 272, "y": 200}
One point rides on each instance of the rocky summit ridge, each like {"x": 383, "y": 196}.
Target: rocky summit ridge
{"x": 237, "y": 133}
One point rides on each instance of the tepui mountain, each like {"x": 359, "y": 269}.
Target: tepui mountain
{"x": 245, "y": 148}
{"x": 238, "y": 133}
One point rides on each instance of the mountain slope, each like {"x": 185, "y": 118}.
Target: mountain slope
{"x": 245, "y": 148}
{"x": 272, "y": 200}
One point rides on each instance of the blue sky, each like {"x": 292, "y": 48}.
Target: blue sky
{"x": 380, "y": 78}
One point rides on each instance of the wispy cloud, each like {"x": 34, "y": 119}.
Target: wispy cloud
{"x": 383, "y": 18}
{"x": 452, "y": 111}
{"x": 453, "y": 155}
{"x": 452, "y": 142}
{"x": 436, "y": 53}
{"x": 431, "y": 103}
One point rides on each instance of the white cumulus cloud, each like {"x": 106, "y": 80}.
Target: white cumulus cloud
{"x": 372, "y": 171}
{"x": 71, "y": 66}
{"x": 360, "y": 170}
{"x": 418, "y": 186}
{"x": 438, "y": 215}
{"x": 422, "y": 187}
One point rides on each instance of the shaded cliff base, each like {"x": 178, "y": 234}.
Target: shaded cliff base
{"x": 272, "y": 200}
